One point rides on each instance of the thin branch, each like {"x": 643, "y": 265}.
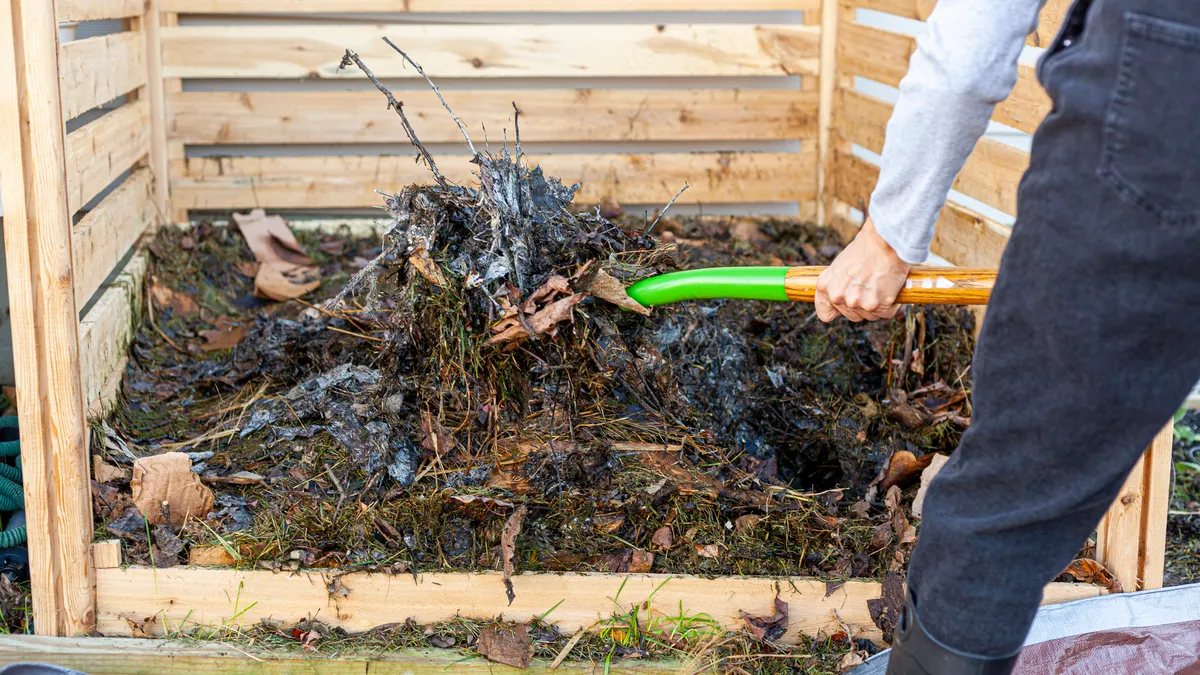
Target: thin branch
{"x": 351, "y": 57}
{"x": 665, "y": 208}
{"x": 461, "y": 126}
{"x": 517, "y": 127}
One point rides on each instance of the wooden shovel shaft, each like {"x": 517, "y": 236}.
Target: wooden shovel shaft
{"x": 925, "y": 285}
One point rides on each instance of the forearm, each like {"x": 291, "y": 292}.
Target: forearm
{"x": 965, "y": 63}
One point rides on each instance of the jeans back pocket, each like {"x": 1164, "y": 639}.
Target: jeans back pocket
{"x": 1151, "y": 152}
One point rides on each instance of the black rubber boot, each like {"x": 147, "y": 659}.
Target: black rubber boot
{"x": 916, "y": 652}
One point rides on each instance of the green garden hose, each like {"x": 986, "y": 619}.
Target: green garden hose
{"x": 12, "y": 496}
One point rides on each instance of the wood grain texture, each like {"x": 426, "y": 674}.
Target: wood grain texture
{"x": 207, "y": 596}
{"x": 1049, "y": 20}
{"x": 468, "y": 50}
{"x": 207, "y": 118}
{"x": 43, "y": 315}
{"x": 882, "y": 56}
{"x": 854, "y": 180}
{"x": 151, "y": 27}
{"x": 828, "y": 82}
{"x": 103, "y": 237}
{"x": 106, "y": 554}
{"x": 120, "y": 656}
{"x": 98, "y": 69}
{"x": 95, "y": 10}
{"x": 350, "y": 6}
{"x": 350, "y": 182}
{"x": 991, "y": 174}
{"x": 1157, "y": 497}
{"x": 1119, "y": 535}
{"x": 925, "y": 285}
{"x": 99, "y": 152}
{"x": 106, "y": 331}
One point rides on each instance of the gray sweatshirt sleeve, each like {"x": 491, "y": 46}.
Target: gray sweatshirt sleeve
{"x": 965, "y": 63}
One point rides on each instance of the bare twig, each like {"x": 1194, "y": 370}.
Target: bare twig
{"x": 517, "y": 128}
{"x": 437, "y": 91}
{"x": 664, "y": 211}
{"x": 351, "y": 57}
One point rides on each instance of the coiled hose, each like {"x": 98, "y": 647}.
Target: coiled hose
{"x": 12, "y": 496}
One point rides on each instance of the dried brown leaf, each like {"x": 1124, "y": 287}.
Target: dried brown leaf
{"x": 509, "y": 645}
{"x": 885, "y": 611}
{"x": 882, "y": 538}
{"x": 900, "y": 409}
{"x": 608, "y": 524}
{"x": 769, "y": 628}
{"x": 903, "y": 469}
{"x": 270, "y": 238}
{"x": 247, "y": 268}
{"x": 103, "y": 472}
{"x": 169, "y": 478}
{"x": 541, "y": 322}
{"x": 610, "y": 208}
{"x": 936, "y": 463}
{"x": 640, "y": 562}
{"x": 281, "y": 281}
{"x": 603, "y": 285}
{"x": 167, "y": 298}
{"x": 747, "y": 523}
{"x": 663, "y": 539}
{"x": 215, "y": 340}
{"x": 1088, "y": 571}
{"x": 434, "y": 437}
{"x": 708, "y": 550}
{"x": 424, "y": 264}
{"x": 508, "y": 548}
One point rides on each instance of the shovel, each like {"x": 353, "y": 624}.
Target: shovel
{"x": 925, "y": 285}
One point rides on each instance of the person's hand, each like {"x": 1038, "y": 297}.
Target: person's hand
{"x": 863, "y": 281}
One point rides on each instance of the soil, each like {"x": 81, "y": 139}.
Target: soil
{"x": 750, "y": 431}
{"x": 1183, "y": 525}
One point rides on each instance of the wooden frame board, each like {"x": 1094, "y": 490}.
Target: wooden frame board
{"x": 475, "y": 6}
{"x": 166, "y": 601}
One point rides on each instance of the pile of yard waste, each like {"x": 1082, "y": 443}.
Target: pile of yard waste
{"x": 470, "y": 388}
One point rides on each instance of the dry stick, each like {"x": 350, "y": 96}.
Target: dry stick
{"x": 664, "y": 211}
{"x": 445, "y": 105}
{"x": 399, "y": 108}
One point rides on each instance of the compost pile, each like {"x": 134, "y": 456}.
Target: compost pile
{"x": 475, "y": 390}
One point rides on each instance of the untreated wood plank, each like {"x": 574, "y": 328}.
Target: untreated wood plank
{"x": 106, "y": 331}
{"x": 1027, "y": 105}
{"x": 151, "y": 27}
{"x": 99, "y": 152}
{"x": 103, "y": 237}
{"x": 1157, "y": 498}
{"x": 473, "y": 50}
{"x": 872, "y": 53}
{"x": 882, "y": 56}
{"x": 854, "y": 179}
{"x": 106, "y": 554}
{"x": 68, "y": 11}
{"x": 828, "y": 82}
{"x": 349, "y": 6}
{"x": 968, "y": 239}
{"x": 862, "y": 119}
{"x": 1050, "y": 20}
{"x": 120, "y": 656}
{"x": 98, "y": 69}
{"x": 205, "y": 118}
{"x": 43, "y": 316}
{"x": 909, "y": 9}
{"x": 205, "y": 596}
{"x": 350, "y": 182}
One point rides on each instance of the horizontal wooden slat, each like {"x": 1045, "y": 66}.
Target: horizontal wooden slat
{"x": 349, "y": 6}
{"x": 67, "y": 11}
{"x": 231, "y": 598}
{"x": 102, "y": 238}
{"x": 862, "y": 119}
{"x": 106, "y": 331}
{"x": 98, "y": 69}
{"x": 98, "y": 153}
{"x": 189, "y": 656}
{"x": 546, "y": 116}
{"x": 1049, "y": 20}
{"x": 882, "y": 56}
{"x": 1027, "y": 105}
{"x": 853, "y": 179}
{"x": 575, "y": 51}
{"x": 963, "y": 237}
{"x": 872, "y": 53}
{"x": 968, "y": 239}
{"x": 350, "y": 182}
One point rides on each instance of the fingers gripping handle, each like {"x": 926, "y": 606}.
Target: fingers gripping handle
{"x": 925, "y": 285}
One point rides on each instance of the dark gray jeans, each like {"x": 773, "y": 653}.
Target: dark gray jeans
{"x": 1093, "y": 335}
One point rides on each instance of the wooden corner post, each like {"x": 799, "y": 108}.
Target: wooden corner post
{"x": 150, "y": 24}
{"x": 831, "y": 16}
{"x": 1131, "y": 540}
{"x": 45, "y": 320}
